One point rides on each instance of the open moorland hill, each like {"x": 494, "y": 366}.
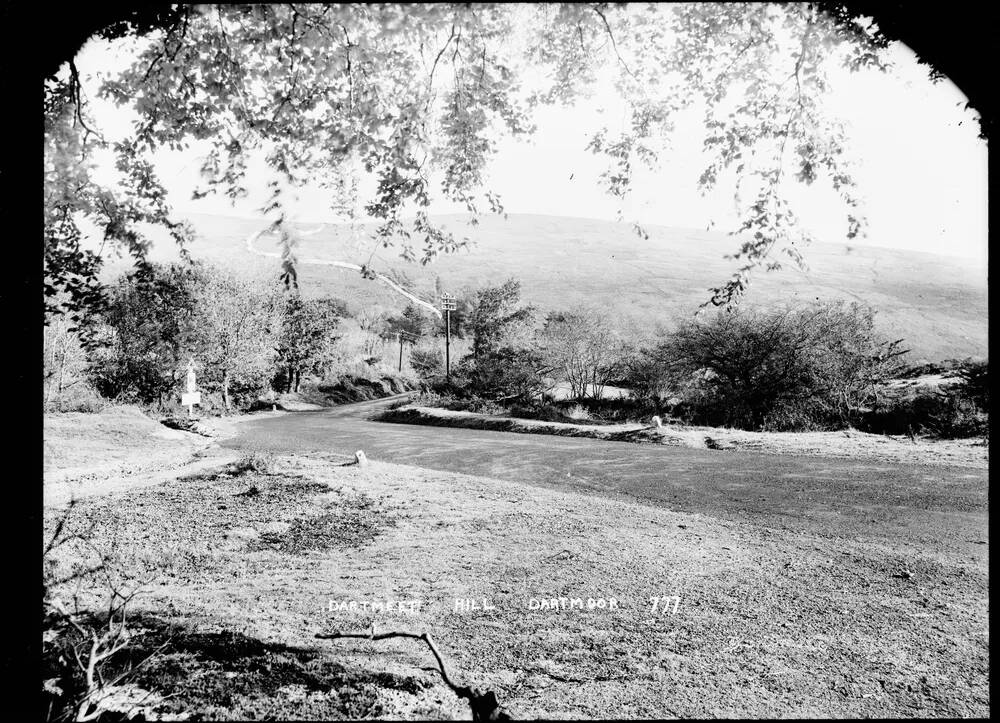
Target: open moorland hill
{"x": 937, "y": 303}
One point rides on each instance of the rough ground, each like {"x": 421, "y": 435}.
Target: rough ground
{"x": 769, "y": 624}
{"x": 121, "y": 448}
{"x": 854, "y": 592}
{"x": 851, "y": 443}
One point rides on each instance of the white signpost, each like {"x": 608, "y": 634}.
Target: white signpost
{"x": 192, "y": 396}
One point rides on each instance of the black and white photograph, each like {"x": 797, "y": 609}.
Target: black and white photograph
{"x": 499, "y": 361}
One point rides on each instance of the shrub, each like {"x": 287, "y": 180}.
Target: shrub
{"x": 258, "y": 462}
{"x": 361, "y": 388}
{"x": 797, "y": 368}
{"x": 486, "y": 406}
{"x": 948, "y": 413}
{"x": 646, "y": 376}
{"x": 612, "y": 411}
{"x": 974, "y": 383}
{"x": 427, "y": 363}
{"x": 544, "y": 411}
{"x": 505, "y": 373}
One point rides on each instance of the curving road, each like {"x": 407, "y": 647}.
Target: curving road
{"x": 838, "y": 497}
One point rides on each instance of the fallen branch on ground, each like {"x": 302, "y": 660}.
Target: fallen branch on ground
{"x": 484, "y": 705}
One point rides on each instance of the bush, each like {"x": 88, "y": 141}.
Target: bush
{"x": 952, "y": 411}
{"x": 798, "y": 368}
{"x": 360, "y": 388}
{"x": 647, "y": 376}
{"x": 974, "y": 383}
{"x": 486, "y": 406}
{"x": 245, "y": 390}
{"x": 83, "y": 398}
{"x": 258, "y": 462}
{"x": 457, "y": 403}
{"x": 504, "y": 373}
{"x": 427, "y": 363}
{"x": 542, "y": 411}
{"x": 948, "y": 413}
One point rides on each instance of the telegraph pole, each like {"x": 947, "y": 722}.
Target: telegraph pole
{"x": 447, "y": 305}
{"x": 404, "y": 336}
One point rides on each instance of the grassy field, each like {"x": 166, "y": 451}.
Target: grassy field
{"x": 937, "y": 303}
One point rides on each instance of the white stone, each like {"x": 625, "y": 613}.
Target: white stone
{"x": 275, "y": 528}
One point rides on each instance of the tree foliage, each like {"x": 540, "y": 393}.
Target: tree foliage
{"x": 64, "y": 368}
{"x": 412, "y": 321}
{"x": 308, "y": 333}
{"x": 417, "y": 95}
{"x": 503, "y": 363}
{"x": 140, "y": 338}
{"x": 233, "y": 334}
{"x": 497, "y": 320}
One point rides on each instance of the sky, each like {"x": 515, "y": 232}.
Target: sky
{"x": 922, "y": 168}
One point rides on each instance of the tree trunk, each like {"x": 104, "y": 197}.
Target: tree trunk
{"x": 225, "y": 391}
{"x": 298, "y": 377}
{"x": 289, "y": 374}
{"x": 62, "y": 369}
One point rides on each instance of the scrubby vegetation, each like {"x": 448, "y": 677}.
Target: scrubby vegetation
{"x": 793, "y": 368}
{"x": 955, "y": 410}
{"x": 806, "y": 367}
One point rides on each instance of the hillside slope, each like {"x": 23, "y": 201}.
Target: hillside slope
{"x": 937, "y": 303}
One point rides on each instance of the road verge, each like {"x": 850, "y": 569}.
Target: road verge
{"x": 847, "y": 443}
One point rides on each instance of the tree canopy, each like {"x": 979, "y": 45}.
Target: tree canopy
{"x": 416, "y": 96}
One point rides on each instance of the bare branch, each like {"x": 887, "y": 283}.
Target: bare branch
{"x": 430, "y": 81}
{"x": 614, "y": 45}
{"x": 484, "y": 705}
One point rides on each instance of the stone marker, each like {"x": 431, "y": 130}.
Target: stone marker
{"x": 192, "y": 396}
{"x": 360, "y": 459}
{"x": 192, "y": 383}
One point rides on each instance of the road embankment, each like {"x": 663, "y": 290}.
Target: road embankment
{"x": 846, "y": 443}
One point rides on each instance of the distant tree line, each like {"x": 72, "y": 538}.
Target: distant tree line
{"x": 246, "y": 337}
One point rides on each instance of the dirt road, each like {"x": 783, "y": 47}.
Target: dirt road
{"x": 946, "y": 506}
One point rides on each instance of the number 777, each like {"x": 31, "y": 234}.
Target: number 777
{"x": 664, "y": 603}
